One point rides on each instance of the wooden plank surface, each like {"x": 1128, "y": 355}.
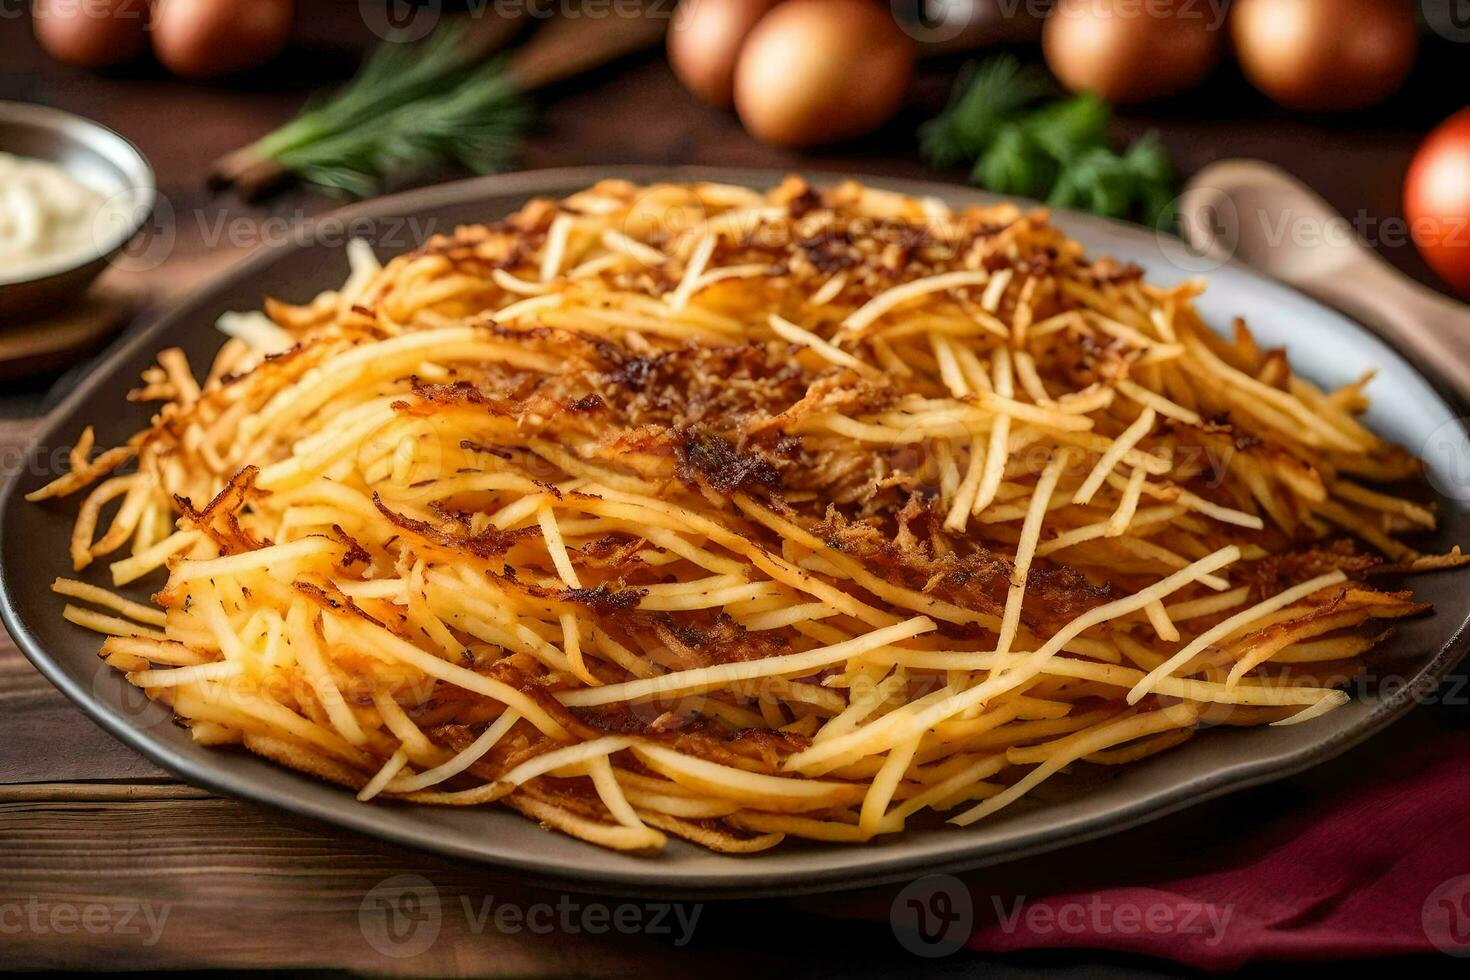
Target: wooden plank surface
{"x": 219, "y": 884}
{"x": 94, "y": 839}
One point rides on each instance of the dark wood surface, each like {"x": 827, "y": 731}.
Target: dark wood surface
{"x": 87, "y": 825}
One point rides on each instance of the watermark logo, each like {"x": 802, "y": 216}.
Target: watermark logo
{"x": 1450, "y": 19}
{"x": 1446, "y": 454}
{"x": 392, "y": 233}
{"x": 72, "y": 9}
{"x": 935, "y": 21}
{"x": 1212, "y": 12}
{"x": 160, "y": 226}
{"x": 933, "y": 917}
{"x": 1100, "y": 916}
{"x": 153, "y": 242}
{"x": 1209, "y": 224}
{"x": 406, "y": 21}
{"x": 1446, "y": 917}
{"x": 938, "y": 21}
{"x": 120, "y": 918}
{"x": 401, "y": 20}
{"x": 1217, "y": 227}
{"x": 401, "y": 916}
{"x": 132, "y": 702}
{"x": 570, "y": 917}
{"x": 46, "y": 461}
{"x": 659, "y": 215}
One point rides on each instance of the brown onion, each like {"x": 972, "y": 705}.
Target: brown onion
{"x": 207, "y": 38}
{"x": 1132, "y": 51}
{"x": 817, "y": 71}
{"x": 92, "y": 33}
{"x": 704, "y": 44}
{"x": 1325, "y": 54}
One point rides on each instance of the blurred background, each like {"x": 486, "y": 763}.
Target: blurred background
{"x": 1341, "y": 93}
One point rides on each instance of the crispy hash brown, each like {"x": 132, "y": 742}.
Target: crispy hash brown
{"x": 694, "y": 511}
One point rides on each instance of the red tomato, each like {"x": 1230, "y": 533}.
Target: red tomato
{"x": 1437, "y": 201}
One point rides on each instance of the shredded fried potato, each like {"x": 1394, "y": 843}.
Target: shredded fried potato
{"x": 822, "y": 513}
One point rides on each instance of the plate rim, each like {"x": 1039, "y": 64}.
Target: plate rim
{"x": 866, "y": 867}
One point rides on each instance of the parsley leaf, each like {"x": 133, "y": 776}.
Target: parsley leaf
{"x": 1057, "y": 152}
{"x": 984, "y": 97}
{"x": 1016, "y": 163}
{"x": 1067, "y": 129}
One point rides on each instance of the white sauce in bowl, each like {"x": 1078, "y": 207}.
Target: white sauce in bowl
{"x": 49, "y": 220}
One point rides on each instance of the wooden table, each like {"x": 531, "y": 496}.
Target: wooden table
{"x": 94, "y": 839}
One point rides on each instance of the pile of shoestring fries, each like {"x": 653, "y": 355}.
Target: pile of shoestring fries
{"x": 696, "y": 511}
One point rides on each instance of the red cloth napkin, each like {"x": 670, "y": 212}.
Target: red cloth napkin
{"x": 1377, "y": 867}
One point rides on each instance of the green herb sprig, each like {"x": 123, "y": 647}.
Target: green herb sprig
{"x": 393, "y": 74}
{"x": 410, "y": 109}
{"x": 414, "y": 107}
{"x": 478, "y": 123}
{"x": 1057, "y": 152}
{"x": 985, "y": 95}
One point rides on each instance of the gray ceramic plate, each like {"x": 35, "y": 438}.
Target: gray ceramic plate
{"x": 1324, "y": 346}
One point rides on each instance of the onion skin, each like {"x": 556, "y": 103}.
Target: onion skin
{"x": 819, "y": 71}
{"x": 1325, "y": 55}
{"x": 705, "y": 39}
{"x": 92, "y": 33}
{"x": 1437, "y": 201}
{"x": 210, "y": 38}
{"x": 1128, "y": 52}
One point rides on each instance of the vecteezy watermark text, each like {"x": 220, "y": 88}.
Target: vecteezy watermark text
{"x": 1100, "y": 916}
{"x": 935, "y": 916}
{"x": 124, "y": 917}
{"x": 403, "y": 916}
{"x": 407, "y": 21}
